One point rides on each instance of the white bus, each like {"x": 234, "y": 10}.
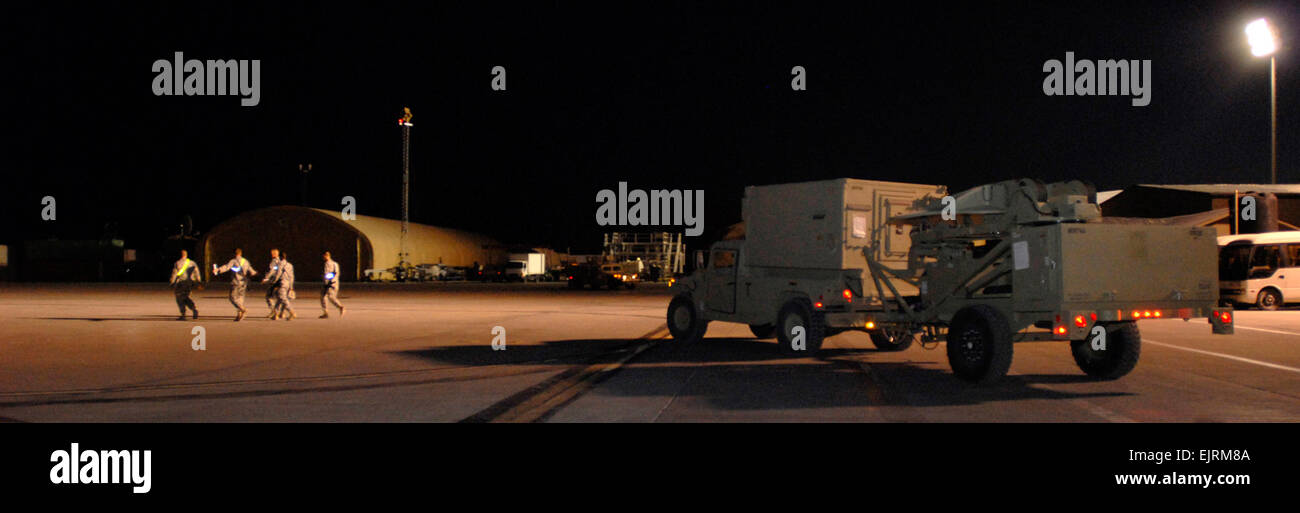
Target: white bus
{"x": 1261, "y": 269}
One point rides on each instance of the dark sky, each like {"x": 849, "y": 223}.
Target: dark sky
{"x": 659, "y": 95}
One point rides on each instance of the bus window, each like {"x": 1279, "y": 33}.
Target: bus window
{"x": 1233, "y": 260}
{"x": 1293, "y": 255}
{"x": 1265, "y": 260}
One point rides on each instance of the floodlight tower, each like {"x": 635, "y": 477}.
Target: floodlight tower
{"x": 406, "y": 125}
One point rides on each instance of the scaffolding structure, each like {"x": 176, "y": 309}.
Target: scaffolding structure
{"x": 662, "y": 250}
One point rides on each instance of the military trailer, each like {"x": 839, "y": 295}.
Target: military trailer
{"x": 997, "y": 264}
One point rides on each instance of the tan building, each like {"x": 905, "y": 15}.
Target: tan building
{"x": 360, "y": 244}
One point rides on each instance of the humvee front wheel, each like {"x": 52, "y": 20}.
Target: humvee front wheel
{"x": 979, "y": 344}
{"x": 684, "y": 321}
{"x": 801, "y": 329}
{"x": 1119, "y": 355}
{"x": 762, "y": 330}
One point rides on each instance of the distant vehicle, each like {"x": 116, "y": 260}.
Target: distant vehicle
{"x": 526, "y": 267}
{"x": 456, "y": 273}
{"x": 422, "y": 272}
{"x": 611, "y": 275}
{"x": 430, "y": 272}
{"x": 490, "y": 272}
{"x": 379, "y": 275}
{"x": 622, "y": 274}
{"x": 557, "y": 274}
{"x": 1260, "y": 269}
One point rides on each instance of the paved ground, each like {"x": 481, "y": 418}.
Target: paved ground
{"x": 114, "y": 353}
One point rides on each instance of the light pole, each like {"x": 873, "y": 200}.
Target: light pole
{"x": 1263, "y": 42}
{"x": 406, "y": 125}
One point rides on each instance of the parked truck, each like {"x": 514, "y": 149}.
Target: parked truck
{"x": 526, "y": 267}
{"x": 1002, "y": 263}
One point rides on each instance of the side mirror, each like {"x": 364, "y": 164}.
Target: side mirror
{"x": 700, "y": 259}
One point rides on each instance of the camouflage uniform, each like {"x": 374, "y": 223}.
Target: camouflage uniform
{"x": 240, "y": 270}
{"x": 185, "y": 276}
{"x": 284, "y": 292}
{"x": 272, "y": 270}
{"x": 329, "y": 293}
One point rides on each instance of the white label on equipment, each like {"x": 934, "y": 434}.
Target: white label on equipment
{"x": 1020, "y": 254}
{"x": 860, "y": 226}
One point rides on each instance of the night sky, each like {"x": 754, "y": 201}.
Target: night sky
{"x": 660, "y": 95}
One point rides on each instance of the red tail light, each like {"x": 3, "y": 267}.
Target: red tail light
{"x": 1226, "y": 317}
{"x": 1060, "y": 330}
{"x": 848, "y": 295}
{"x": 1080, "y": 321}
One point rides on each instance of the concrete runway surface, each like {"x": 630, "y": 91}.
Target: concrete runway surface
{"x": 422, "y": 352}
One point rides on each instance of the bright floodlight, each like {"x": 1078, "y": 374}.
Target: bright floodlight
{"x": 1261, "y": 38}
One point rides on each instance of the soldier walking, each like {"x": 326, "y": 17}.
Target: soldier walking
{"x": 185, "y": 277}
{"x": 240, "y": 270}
{"x": 330, "y": 290}
{"x": 284, "y": 292}
{"x": 273, "y": 269}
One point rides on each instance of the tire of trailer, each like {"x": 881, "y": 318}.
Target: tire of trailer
{"x": 1123, "y": 348}
{"x": 979, "y": 344}
{"x": 799, "y": 312}
{"x": 684, "y": 321}
{"x": 897, "y": 341}
{"x": 762, "y": 331}
{"x": 1269, "y": 299}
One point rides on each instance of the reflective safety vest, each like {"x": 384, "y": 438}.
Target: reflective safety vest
{"x": 241, "y": 265}
{"x": 329, "y": 276}
{"x": 185, "y": 266}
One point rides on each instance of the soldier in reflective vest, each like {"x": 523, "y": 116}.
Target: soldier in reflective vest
{"x": 273, "y": 269}
{"x": 185, "y": 277}
{"x": 240, "y": 270}
{"x": 329, "y": 293}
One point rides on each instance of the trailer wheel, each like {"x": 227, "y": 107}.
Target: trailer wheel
{"x": 1123, "y": 346}
{"x": 762, "y": 330}
{"x": 799, "y": 313}
{"x": 1269, "y": 299}
{"x": 684, "y": 321}
{"x": 979, "y": 344}
{"x": 892, "y": 340}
